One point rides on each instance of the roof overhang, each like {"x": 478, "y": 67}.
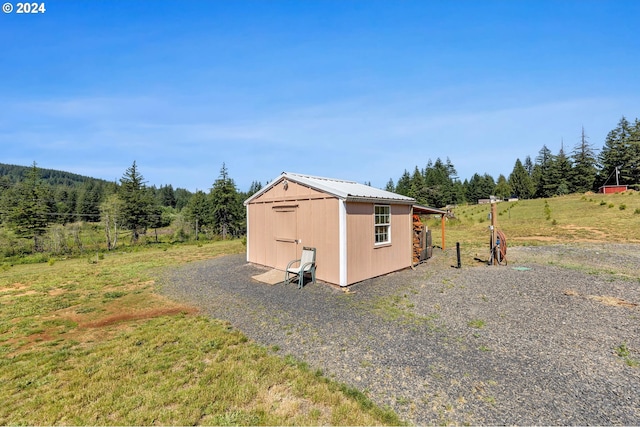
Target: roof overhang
{"x": 428, "y": 211}
{"x": 337, "y": 188}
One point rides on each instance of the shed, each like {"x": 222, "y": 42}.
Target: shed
{"x": 610, "y": 189}
{"x": 358, "y": 231}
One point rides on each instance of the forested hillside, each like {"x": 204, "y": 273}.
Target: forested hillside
{"x": 574, "y": 170}
{"x": 11, "y": 174}
{"x": 59, "y": 212}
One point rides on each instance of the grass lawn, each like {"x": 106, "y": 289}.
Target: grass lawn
{"x": 576, "y": 218}
{"x": 90, "y": 342}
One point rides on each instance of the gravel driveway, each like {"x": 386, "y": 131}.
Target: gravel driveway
{"x": 541, "y": 344}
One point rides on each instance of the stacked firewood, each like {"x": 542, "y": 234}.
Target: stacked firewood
{"x": 418, "y": 227}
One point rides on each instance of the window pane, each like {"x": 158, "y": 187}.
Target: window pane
{"x": 382, "y": 214}
{"x": 382, "y": 221}
{"x": 382, "y": 234}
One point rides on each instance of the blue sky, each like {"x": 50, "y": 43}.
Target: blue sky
{"x": 353, "y": 89}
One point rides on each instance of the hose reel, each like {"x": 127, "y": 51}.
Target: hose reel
{"x": 497, "y": 247}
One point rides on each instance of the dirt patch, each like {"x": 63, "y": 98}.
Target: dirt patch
{"x": 23, "y": 294}
{"x": 14, "y": 287}
{"x": 140, "y": 315}
{"x": 613, "y": 301}
{"x": 539, "y": 238}
{"x": 603, "y": 299}
{"x": 597, "y": 233}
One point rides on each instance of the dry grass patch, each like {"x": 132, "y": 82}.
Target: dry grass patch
{"x": 612, "y": 301}
{"x": 606, "y": 300}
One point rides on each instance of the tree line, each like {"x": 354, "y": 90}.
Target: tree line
{"x": 30, "y": 205}
{"x": 579, "y": 170}
{"x": 33, "y": 200}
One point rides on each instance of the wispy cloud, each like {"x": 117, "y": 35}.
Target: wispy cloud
{"x": 360, "y": 138}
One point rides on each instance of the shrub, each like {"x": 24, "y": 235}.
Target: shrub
{"x": 622, "y": 207}
{"x": 547, "y": 210}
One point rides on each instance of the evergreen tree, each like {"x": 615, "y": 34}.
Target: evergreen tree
{"x": 404, "y": 184}
{"x": 560, "y": 174}
{"x": 226, "y": 206}
{"x": 584, "y": 165}
{"x": 137, "y": 202}
{"x": 471, "y": 188}
{"x": 254, "y": 188}
{"x": 390, "y": 186}
{"x": 536, "y": 177}
{"x": 528, "y": 165}
{"x": 27, "y": 209}
{"x": 503, "y": 189}
{"x": 480, "y": 187}
{"x": 182, "y": 198}
{"x": 545, "y": 185}
{"x": 64, "y": 212}
{"x": 198, "y": 211}
{"x": 89, "y": 198}
{"x": 158, "y": 218}
{"x": 439, "y": 184}
{"x": 5, "y": 183}
{"x": 622, "y": 152}
{"x": 520, "y": 181}
{"x": 632, "y": 169}
{"x": 6, "y": 190}
{"x": 166, "y": 196}
{"x": 458, "y": 194}
{"x": 417, "y": 188}
{"x": 452, "y": 174}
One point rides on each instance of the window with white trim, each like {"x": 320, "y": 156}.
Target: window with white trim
{"x": 382, "y": 224}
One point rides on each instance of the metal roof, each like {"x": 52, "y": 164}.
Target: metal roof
{"x": 345, "y": 190}
{"x": 428, "y": 210}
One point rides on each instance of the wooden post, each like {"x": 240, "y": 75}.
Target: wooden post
{"x": 442, "y": 226}
{"x": 493, "y": 231}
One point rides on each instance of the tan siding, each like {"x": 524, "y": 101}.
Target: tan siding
{"x": 256, "y": 240}
{"x": 293, "y": 192}
{"x": 317, "y": 226}
{"x": 364, "y": 258}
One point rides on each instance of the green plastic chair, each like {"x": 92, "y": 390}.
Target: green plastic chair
{"x": 306, "y": 264}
